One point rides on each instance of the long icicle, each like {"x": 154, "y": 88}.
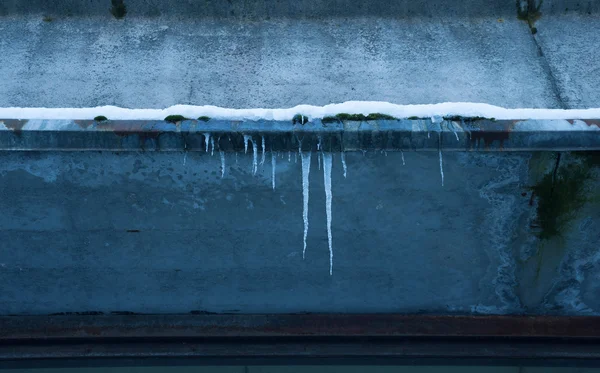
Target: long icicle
{"x": 254, "y": 158}
{"x": 262, "y": 160}
{"x": 440, "y": 151}
{"x": 273, "y": 164}
{"x": 305, "y": 158}
{"x": 344, "y": 163}
{"x": 327, "y": 162}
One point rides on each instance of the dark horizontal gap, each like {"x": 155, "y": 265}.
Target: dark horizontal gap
{"x": 379, "y": 340}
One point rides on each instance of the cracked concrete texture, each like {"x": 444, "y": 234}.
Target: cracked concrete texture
{"x": 155, "y": 63}
{"x": 569, "y": 44}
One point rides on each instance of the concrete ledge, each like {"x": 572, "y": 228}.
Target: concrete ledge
{"x": 222, "y": 135}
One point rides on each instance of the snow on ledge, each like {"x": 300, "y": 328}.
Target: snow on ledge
{"x": 463, "y": 109}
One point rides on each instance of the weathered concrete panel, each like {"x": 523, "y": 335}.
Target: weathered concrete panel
{"x": 159, "y": 62}
{"x": 566, "y": 41}
{"x": 162, "y": 232}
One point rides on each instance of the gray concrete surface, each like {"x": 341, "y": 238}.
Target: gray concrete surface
{"x": 144, "y": 232}
{"x": 158, "y": 62}
{"x": 568, "y": 44}
{"x": 280, "y": 54}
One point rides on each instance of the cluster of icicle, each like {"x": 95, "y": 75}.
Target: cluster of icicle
{"x": 305, "y": 158}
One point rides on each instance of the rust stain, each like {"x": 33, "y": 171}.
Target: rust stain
{"x": 490, "y": 131}
{"x": 15, "y": 125}
{"x": 592, "y": 122}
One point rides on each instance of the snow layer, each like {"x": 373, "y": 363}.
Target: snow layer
{"x": 465, "y": 109}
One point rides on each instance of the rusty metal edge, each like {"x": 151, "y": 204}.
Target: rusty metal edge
{"x": 388, "y": 135}
{"x": 102, "y": 326}
{"x": 200, "y": 339}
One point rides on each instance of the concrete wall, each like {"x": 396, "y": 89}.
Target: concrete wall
{"x": 162, "y": 232}
{"x": 49, "y": 59}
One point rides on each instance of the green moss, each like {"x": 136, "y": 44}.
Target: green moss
{"x": 204, "y": 118}
{"x": 118, "y": 10}
{"x": 100, "y": 118}
{"x": 414, "y": 118}
{"x": 560, "y": 195}
{"x": 354, "y": 117}
{"x": 357, "y": 117}
{"x": 299, "y": 118}
{"x": 589, "y": 158}
{"x": 378, "y": 116}
{"x": 458, "y": 118}
{"x": 326, "y": 120}
{"x": 48, "y": 19}
{"x": 175, "y": 118}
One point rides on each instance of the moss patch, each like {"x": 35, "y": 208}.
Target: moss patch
{"x": 561, "y": 193}
{"x": 47, "y": 19}
{"x": 118, "y": 9}
{"x": 530, "y": 14}
{"x": 457, "y": 118}
{"x": 300, "y": 119}
{"x": 175, "y": 118}
{"x": 358, "y": 117}
{"x": 100, "y": 118}
{"x": 204, "y": 118}
{"x": 326, "y": 120}
{"x": 378, "y": 116}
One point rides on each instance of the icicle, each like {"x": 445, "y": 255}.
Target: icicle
{"x": 305, "y": 158}
{"x": 212, "y": 146}
{"x": 319, "y": 144}
{"x": 428, "y": 134}
{"x": 319, "y": 159}
{"x": 262, "y": 160}
{"x": 273, "y": 164}
{"x": 295, "y": 157}
{"x": 327, "y": 162}
{"x": 450, "y": 123}
{"x": 184, "y": 157}
{"x": 222, "y": 153}
{"x": 246, "y": 139}
{"x": 344, "y": 163}
{"x": 290, "y": 156}
{"x": 236, "y": 158}
{"x": 403, "y": 163}
{"x": 440, "y": 151}
{"x": 462, "y": 122}
{"x": 254, "y": 158}
{"x": 206, "y": 140}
